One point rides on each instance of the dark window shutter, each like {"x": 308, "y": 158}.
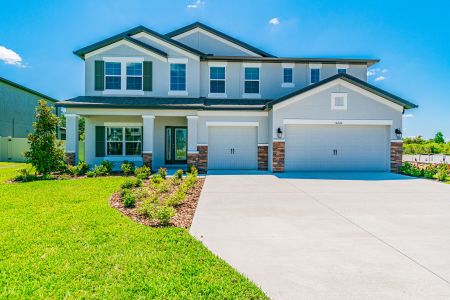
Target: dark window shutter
{"x": 99, "y": 75}
{"x": 148, "y": 76}
{"x": 99, "y": 141}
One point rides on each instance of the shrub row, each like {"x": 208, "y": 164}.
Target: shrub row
{"x": 435, "y": 171}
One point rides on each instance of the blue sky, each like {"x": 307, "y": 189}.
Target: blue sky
{"x": 411, "y": 38}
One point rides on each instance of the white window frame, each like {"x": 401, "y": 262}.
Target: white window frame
{"x": 314, "y": 66}
{"x": 220, "y": 65}
{"x": 141, "y": 76}
{"x": 123, "y": 75}
{"x": 287, "y": 66}
{"x": 176, "y": 60}
{"x": 251, "y": 95}
{"x": 333, "y": 101}
{"x": 124, "y": 142}
{"x": 342, "y": 67}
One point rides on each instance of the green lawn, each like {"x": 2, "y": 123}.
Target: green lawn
{"x": 60, "y": 239}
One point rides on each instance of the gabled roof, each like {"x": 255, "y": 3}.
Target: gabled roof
{"x": 21, "y": 87}
{"x": 219, "y": 34}
{"x": 353, "y": 80}
{"x": 367, "y": 61}
{"x": 127, "y": 36}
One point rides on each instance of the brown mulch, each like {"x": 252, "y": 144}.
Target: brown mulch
{"x": 185, "y": 211}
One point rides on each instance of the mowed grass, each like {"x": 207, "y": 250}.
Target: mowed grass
{"x": 60, "y": 239}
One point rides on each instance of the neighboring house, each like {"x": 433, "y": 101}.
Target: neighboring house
{"x": 198, "y": 96}
{"x": 17, "y": 108}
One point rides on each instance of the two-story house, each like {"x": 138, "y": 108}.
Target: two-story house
{"x": 198, "y": 96}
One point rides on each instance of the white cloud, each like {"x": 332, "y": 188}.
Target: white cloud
{"x": 407, "y": 116}
{"x": 384, "y": 71}
{"x": 10, "y": 57}
{"x": 274, "y": 21}
{"x": 373, "y": 72}
{"x": 196, "y": 4}
{"x": 380, "y": 78}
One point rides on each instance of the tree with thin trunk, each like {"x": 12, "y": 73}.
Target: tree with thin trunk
{"x": 46, "y": 153}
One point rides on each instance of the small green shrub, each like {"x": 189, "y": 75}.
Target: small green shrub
{"x": 127, "y": 168}
{"x": 129, "y": 200}
{"x": 162, "y": 172}
{"x": 124, "y": 191}
{"x": 430, "y": 171}
{"x": 143, "y": 172}
{"x": 130, "y": 183}
{"x": 443, "y": 172}
{"x": 100, "y": 170}
{"x": 25, "y": 175}
{"x": 406, "y": 168}
{"x": 416, "y": 171}
{"x": 410, "y": 169}
{"x": 108, "y": 166}
{"x": 163, "y": 187}
{"x": 157, "y": 179}
{"x": 163, "y": 214}
{"x": 78, "y": 170}
{"x": 90, "y": 174}
{"x": 179, "y": 174}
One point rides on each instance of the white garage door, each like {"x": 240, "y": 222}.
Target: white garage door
{"x": 232, "y": 148}
{"x": 336, "y": 148}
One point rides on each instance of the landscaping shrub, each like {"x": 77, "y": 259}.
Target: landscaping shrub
{"x": 129, "y": 200}
{"x": 143, "y": 172}
{"x": 100, "y": 171}
{"x": 443, "y": 172}
{"x": 164, "y": 213}
{"x": 410, "y": 169}
{"x": 157, "y": 179}
{"x": 429, "y": 171}
{"x": 25, "y": 175}
{"x": 191, "y": 169}
{"x": 127, "y": 168}
{"x": 90, "y": 174}
{"x": 162, "y": 172}
{"x": 179, "y": 174}
{"x": 78, "y": 170}
{"x": 108, "y": 166}
{"x": 131, "y": 182}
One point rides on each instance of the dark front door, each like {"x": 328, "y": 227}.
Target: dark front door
{"x": 176, "y": 145}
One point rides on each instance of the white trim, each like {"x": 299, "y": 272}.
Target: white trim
{"x": 337, "y": 122}
{"x": 197, "y": 29}
{"x": 251, "y": 65}
{"x": 177, "y": 93}
{"x": 192, "y": 152}
{"x": 288, "y": 65}
{"x": 310, "y": 75}
{"x": 315, "y": 65}
{"x": 234, "y": 124}
{"x": 263, "y": 144}
{"x": 126, "y": 43}
{"x": 192, "y": 117}
{"x": 123, "y": 92}
{"x": 166, "y": 44}
{"x": 71, "y": 115}
{"x": 278, "y": 140}
{"x": 148, "y": 116}
{"x": 122, "y": 59}
{"x": 177, "y": 60}
{"x": 122, "y": 124}
{"x": 287, "y": 84}
{"x": 333, "y": 101}
{"x": 147, "y": 152}
{"x": 202, "y": 145}
{"x": 217, "y": 63}
{"x": 251, "y": 96}
{"x": 217, "y": 95}
{"x": 342, "y": 66}
{"x": 83, "y": 111}
{"x": 396, "y": 141}
{"x": 334, "y": 83}
{"x": 233, "y": 113}
{"x": 123, "y": 75}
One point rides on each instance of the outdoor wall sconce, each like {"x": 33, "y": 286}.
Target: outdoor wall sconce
{"x": 398, "y": 132}
{"x": 279, "y": 133}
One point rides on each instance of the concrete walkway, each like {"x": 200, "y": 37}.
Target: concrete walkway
{"x": 331, "y": 235}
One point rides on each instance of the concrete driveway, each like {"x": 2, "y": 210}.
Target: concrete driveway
{"x": 331, "y": 235}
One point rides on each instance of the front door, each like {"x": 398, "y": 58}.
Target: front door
{"x": 176, "y": 145}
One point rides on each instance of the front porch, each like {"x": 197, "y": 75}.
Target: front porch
{"x": 168, "y": 140}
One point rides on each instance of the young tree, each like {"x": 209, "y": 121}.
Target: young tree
{"x": 46, "y": 153}
{"x": 439, "y": 138}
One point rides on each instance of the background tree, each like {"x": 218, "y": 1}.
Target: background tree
{"x": 46, "y": 153}
{"x": 439, "y": 138}
{"x": 81, "y": 126}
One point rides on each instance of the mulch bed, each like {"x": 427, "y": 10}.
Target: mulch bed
{"x": 185, "y": 211}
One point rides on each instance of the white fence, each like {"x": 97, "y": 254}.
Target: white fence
{"x": 428, "y": 158}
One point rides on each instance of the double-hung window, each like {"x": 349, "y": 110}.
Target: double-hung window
{"x": 122, "y": 141}
{"x": 217, "y": 80}
{"x": 315, "y": 75}
{"x": 287, "y": 75}
{"x": 178, "y": 77}
{"x": 134, "y": 76}
{"x": 251, "y": 80}
{"x": 113, "y": 75}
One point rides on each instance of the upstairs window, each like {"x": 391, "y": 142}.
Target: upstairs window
{"x": 342, "y": 71}
{"x": 287, "y": 75}
{"x": 315, "y": 75}
{"x": 113, "y": 75}
{"x": 134, "y": 76}
{"x": 251, "y": 80}
{"x": 178, "y": 77}
{"x": 217, "y": 80}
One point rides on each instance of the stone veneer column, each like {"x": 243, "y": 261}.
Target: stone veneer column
{"x": 72, "y": 137}
{"x": 147, "y": 159}
{"x": 202, "y": 164}
{"x": 263, "y": 157}
{"x": 278, "y": 156}
{"x": 396, "y": 155}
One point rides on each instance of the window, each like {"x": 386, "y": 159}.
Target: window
{"x": 113, "y": 76}
{"x": 315, "y": 75}
{"x": 251, "y": 80}
{"x": 177, "y": 77}
{"x": 134, "y": 76}
{"x": 287, "y": 75}
{"x": 123, "y": 141}
{"x": 342, "y": 71}
{"x": 217, "y": 80}
{"x": 339, "y": 101}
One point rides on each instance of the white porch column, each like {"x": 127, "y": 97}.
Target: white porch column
{"x": 192, "y": 133}
{"x": 72, "y": 138}
{"x": 148, "y": 134}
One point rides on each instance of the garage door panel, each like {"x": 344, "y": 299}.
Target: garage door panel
{"x": 231, "y": 148}
{"x": 336, "y": 148}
